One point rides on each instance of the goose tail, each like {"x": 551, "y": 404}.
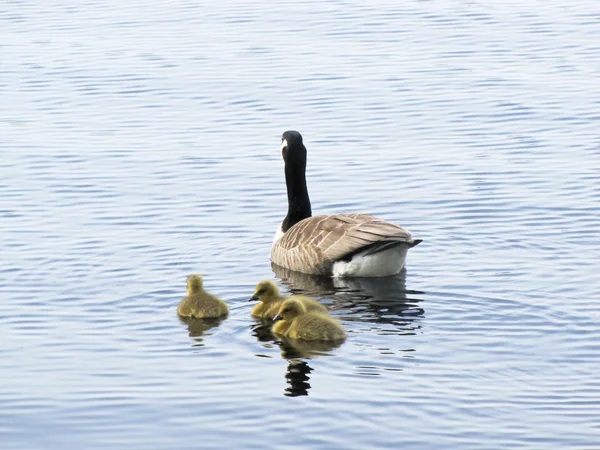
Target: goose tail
{"x": 416, "y": 242}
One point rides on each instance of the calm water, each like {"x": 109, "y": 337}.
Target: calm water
{"x": 139, "y": 143}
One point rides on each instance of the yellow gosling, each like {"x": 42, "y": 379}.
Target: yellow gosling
{"x": 294, "y": 321}
{"x": 270, "y": 300}
{"x": 199, "y": 303}
{"x": 310, "y": 304}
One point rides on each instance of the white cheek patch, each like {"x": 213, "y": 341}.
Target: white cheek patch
{"x": 283, "y": 144}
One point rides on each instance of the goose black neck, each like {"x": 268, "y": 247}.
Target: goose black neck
{"x": 298, "y": 201}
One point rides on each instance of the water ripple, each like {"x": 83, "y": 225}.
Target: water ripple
{"x": 140, "y": 144}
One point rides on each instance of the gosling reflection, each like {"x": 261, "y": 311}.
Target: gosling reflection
{"x": 197, "y": 328}
{"x": 375, "y": 300}
{"x": 294, "y": 348}
{"x": 298, "y": 370}
{"x": 297, "y": 378}
{"x": 262, "y": 331}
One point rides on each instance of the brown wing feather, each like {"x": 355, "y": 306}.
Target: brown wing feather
{"x": 313, "y": 244}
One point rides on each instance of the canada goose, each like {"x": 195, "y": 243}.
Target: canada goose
{"x": 270, "y": 300}
{"x": 294, "y": 321}
{"x": 199, "y": 303}
{"x": 336, "y": 245}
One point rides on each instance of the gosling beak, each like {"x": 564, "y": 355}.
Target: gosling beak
{"x": 253, "y": 298}
{"x": 278, "y": 317}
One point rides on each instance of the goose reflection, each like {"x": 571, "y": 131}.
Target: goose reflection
{"x": 198, "y": 327}
{"x": 374, "y": 300}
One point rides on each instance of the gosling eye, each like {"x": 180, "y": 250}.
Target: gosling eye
{"x": 262, "y": 291}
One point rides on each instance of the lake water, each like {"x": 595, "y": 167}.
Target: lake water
{"x": 139, "y": 143}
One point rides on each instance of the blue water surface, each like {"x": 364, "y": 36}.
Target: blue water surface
{"x": 139, "y": 143}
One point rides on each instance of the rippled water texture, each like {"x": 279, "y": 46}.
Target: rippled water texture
{"x": 139, "y": 143}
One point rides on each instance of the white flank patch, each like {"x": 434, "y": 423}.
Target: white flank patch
{"x": 387, "y": 262}
{"x": 278, "y": 234}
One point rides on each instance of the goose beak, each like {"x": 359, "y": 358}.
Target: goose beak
{"x": 278, "y": 317}
{"x": 253, "y": 298}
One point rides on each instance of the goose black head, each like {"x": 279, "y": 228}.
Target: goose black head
{"x": 292, "y": 148}
{"x": 294, "y": 156}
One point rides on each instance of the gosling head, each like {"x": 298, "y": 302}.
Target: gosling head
{"x": 289, "y": 309}
{"x": 265, "y": 292}
{"x": 194, "y": 284}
